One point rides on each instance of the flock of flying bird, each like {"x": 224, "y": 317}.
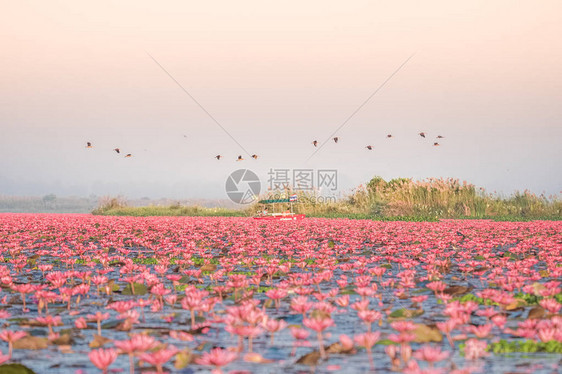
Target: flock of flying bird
{"x": 255, "y": 157}
{"x": 89, "y": 145}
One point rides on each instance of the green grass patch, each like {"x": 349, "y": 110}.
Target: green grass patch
{"x": 171, "y": 210}
{"x": 145, "y": 261}
{"x": 527, "y": 346}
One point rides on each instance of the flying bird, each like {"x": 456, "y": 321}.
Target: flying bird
{"x": 440, "y": 137}
{"x": 389, "y": 136}
{"x": 422, "y": 134}
{"x": 117, "y": 150}
{"x": 240, "y": 158}
{"x": 218, "y": 157}
{"x": 315, "y": 143}
{"x": 88, "y": 145}
{"x": 128, "y": 155}
{"x": 255, "y": 157}
{"x": 369, "y": 147}
{"x": 435, "y": 144}
{"x": 336, "y": 139}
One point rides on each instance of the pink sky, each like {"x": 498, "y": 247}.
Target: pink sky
{"x": 486, "y": 74}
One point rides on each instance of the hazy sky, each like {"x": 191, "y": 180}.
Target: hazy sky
{"x": 487, "y": 75}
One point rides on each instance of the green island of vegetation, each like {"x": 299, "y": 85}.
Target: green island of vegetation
{"x": 398, "y": 199}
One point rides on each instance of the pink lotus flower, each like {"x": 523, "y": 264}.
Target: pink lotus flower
{"x": 171, "y": 299}
{"x": 474, "y": 349}
{"x": 369, "y": 316}
{"x": 343, "y": 301}
{"x": 319, "y": 325}
{"x": 361, "y": 305}
{"x": 391, "y": 350}
{"x": 299, "y": 334}
{"x": 488, "y": 312}
{"x": 102, "y": 358}
{"x": 121, "y": 306}
{"x": 160, "y": 357}
{"x": 402, "y": 338}
{"x": 245, "y": 331}
{"x": 547, "y": 334}
{"x": 300, "y": 304}
{"x": 446, "y": 327}
{"x": 137, "y": 343}
{"x": 346, "y": 343}
{"x": 419, "y": 299}
{"x": 403, "y": 326}
{"x": 368, "y": 339}
{"x": 276, "y": 295}
{"x": 98, "y": 317}
{"x": 80, "y": 323}
{"x": 436, "y": 286}
{"x": 273, "y": 326}
{"x": 551, "y": 305}
{"x": 481, "y": 331}
{"x": 23, "y": 289}
{"x": 430, "y": 354}
{"x": 11, "y": 337}
{"x": 499, "y": 320}
{"x": 217, "y": 357}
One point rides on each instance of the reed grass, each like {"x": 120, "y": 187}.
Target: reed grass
{"x": 433, "y": 198}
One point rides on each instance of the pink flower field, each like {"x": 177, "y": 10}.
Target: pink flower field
{"x": 91, "y": 294}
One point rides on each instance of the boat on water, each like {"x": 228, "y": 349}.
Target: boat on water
{"x": 281, "y": 217}
{"x": 288, "y": 215}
